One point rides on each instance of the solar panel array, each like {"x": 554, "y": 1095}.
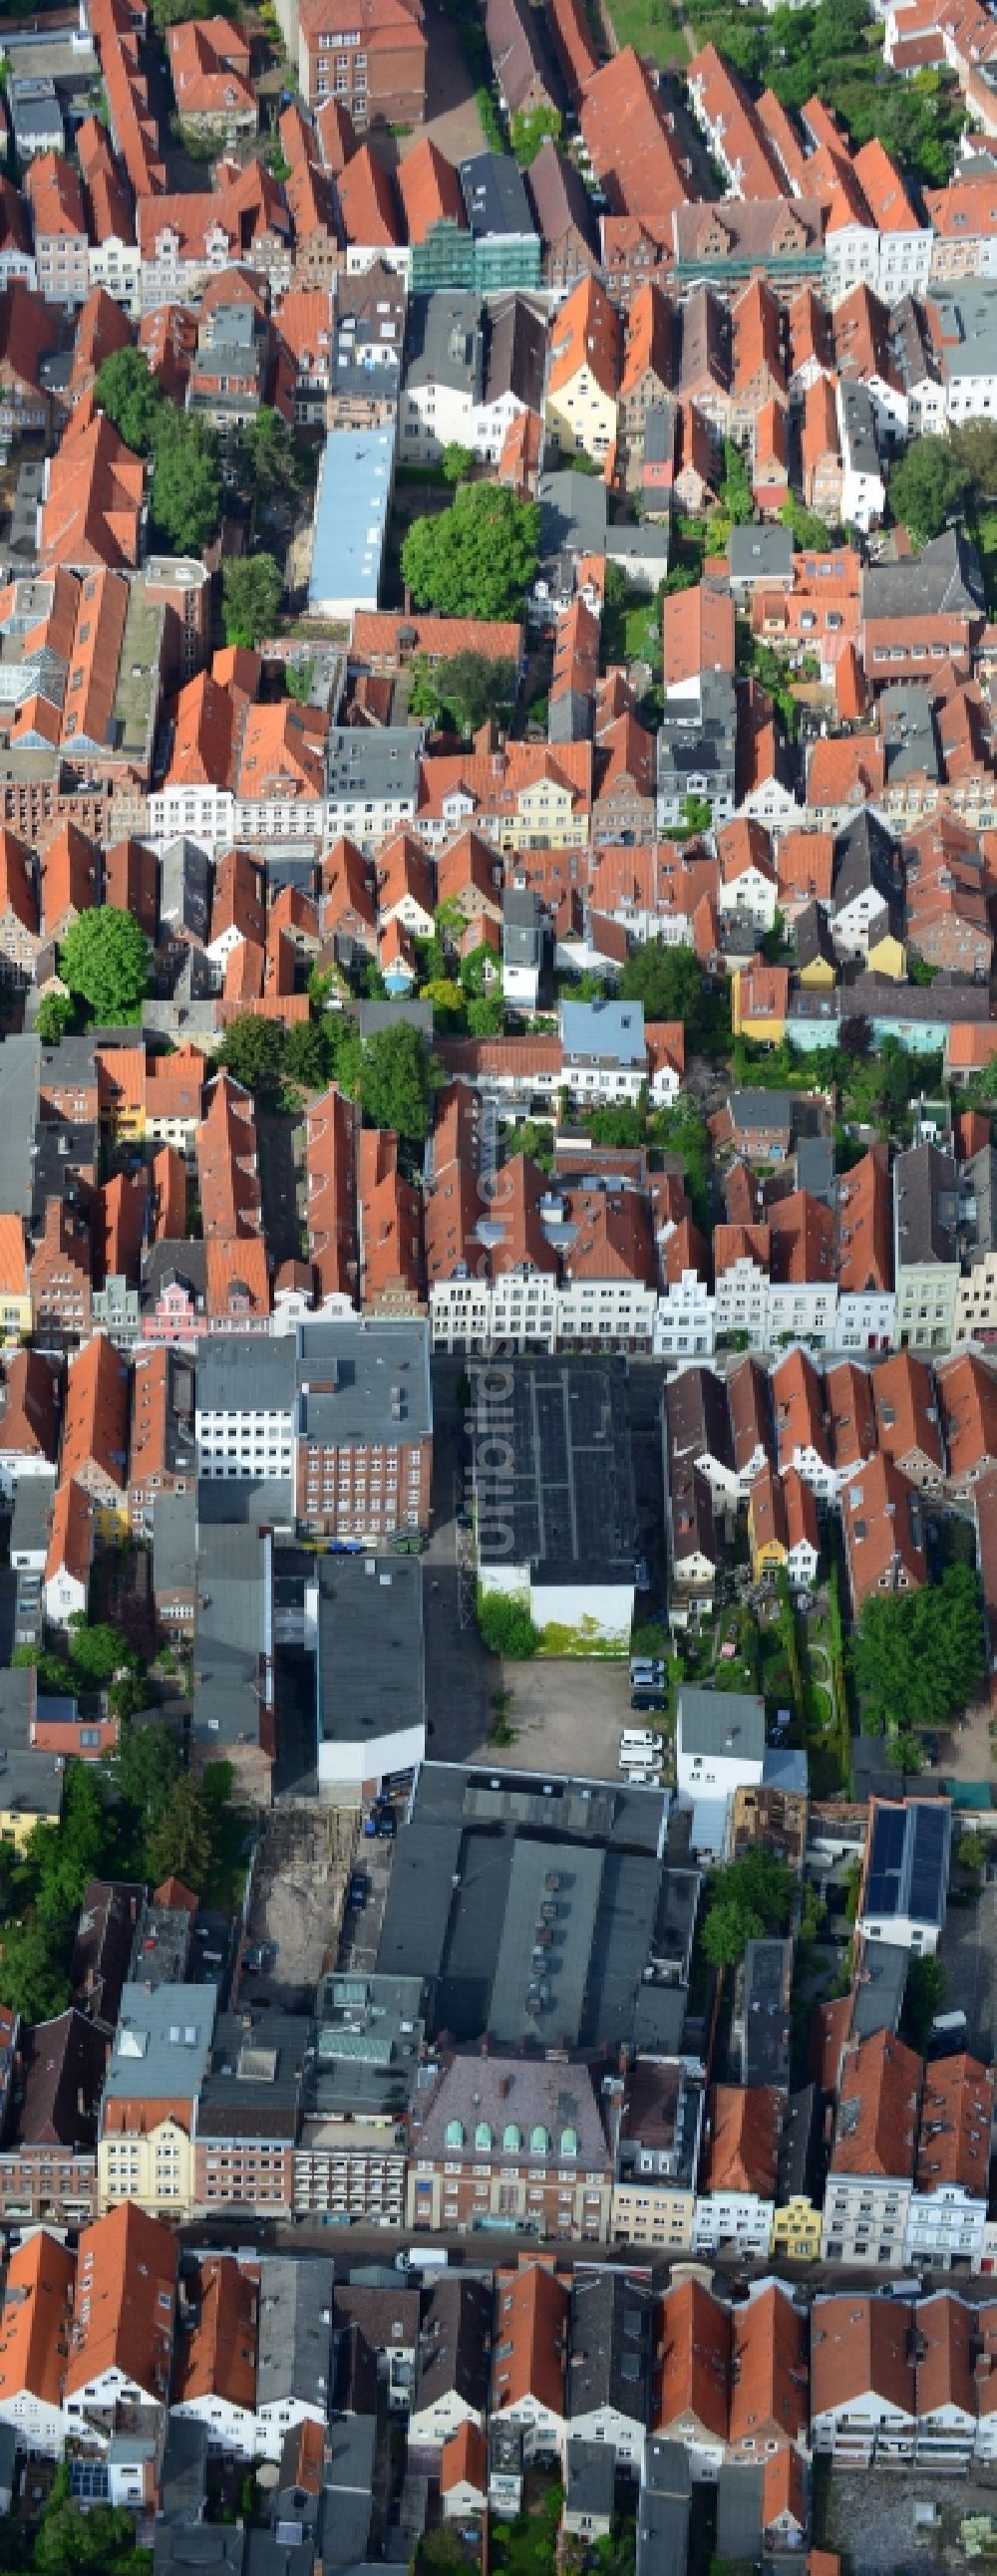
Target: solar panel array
{"x": 928, "y": 1864}
{"x": 882, "y": 1895}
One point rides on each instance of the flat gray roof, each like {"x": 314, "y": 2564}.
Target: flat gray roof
{"x": 371, "y": 1655}
{"x": 376, "y": 761}
{"x": 295, "y": 2330}
{"x": 20, "y": 1071}
{"x": 246, "y": 1373}
{"x": 174, "y": 1541}
{"x": 714, "y": 1721}
{"x": 161, "y": 2044}
{"x": 364, "y": 1381}
{"x": 33, "y": 1499}
{"x": 563, "y": 1503}
{"x": 233, "y": 1641}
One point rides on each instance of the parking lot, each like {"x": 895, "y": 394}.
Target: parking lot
{"x": 566, "y": 1716}
{"x": 968, "y": 1953}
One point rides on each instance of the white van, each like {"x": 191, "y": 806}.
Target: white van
{"x": 641, "y": 1739}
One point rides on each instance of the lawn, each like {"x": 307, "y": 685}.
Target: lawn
{"x": 652, "y": 28}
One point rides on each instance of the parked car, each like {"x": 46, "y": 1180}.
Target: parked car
{"x": 647, "y": 1699}
{"x": 358, "y": 1891}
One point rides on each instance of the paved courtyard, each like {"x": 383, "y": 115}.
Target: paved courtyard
{"x": 870, "y": 2520}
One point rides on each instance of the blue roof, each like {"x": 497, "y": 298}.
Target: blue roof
{"x": 351, "y": 518}
{"x": 614, "y": 1029}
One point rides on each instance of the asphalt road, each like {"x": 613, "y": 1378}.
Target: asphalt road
{"x": 353, "y": 2245}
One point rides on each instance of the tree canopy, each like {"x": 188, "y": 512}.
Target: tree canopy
{"x": 105, "y": 959}
{"x": 471, "y": 688}
{"x": 54, "y": 1017}
{"x": 457, "y": 461}
{"x": 918, "y": 1657}
{"x": 131, "y": 396}
{"x": 528, "y": 129}
{"x": 251, "y": 594}
{"x": 748, "y": 1898}
{"x": 669, "y": 981}
{"x": 271, "y": 454}
{"x": 185, "y": 498}
{"x": 70, "y": 2542}
{"x": 476, "y": 559}
{"x": 927, "y": 483}
{"x": 397, "y": 1082}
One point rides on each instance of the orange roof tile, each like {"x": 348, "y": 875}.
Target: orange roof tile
{"x": 585, "y": 333}
{"x": 876, "y": 2131}
{"x": 34, "y": 2323}
{"x": 531, "y": 2339}
{"x": 694, "y": 2340}
{"x": 741, "y": 2140}
{"x": 768, "y": 2394}
{"x": 125, "y": 2300}
{"x": 95, "y": 1427}
{"x": 218, "y": 2353}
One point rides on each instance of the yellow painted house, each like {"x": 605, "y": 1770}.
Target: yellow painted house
{"x": 759, "y": 1003}
{"x": 888, "y": 956}
{"x": 816, "y": 963}
{"x": 585, "y": 368}
{"x": 796, "y": 2231}
{"x": 767, "y": 1525}
{"x": 153, "y": 2166}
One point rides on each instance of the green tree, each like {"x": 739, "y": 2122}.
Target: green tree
{"x": 104, "y": 958}
{"x": 476, "y": 559}
{"x": 972, "y": 1851}
{"x": 271, "y": 454}
{"x": 298, "y": 677}
{"x": 925, "y": 486}
{"x": 131, "y": 396}
{"x": 254, "y": 1053}
{"x": 475, "y": 689}
{"x": 457, "y": 461}
{"x": 506, "y": 1626}
{"x": 179, "y": 1842}
{"x": 251, "y": 594}
{"x": 918, "y": 1657}
{"x": 974, "y": 445}
{"x": 697, "y": 814}
{"x": 669, "y": 982}
{"x": 397, "y": 1081}
{"x": 33, "y": 1979}
{"x": 486, "y": 1015}
{"x": 748, "y": 1898}
{"x": 70, "y": 2542}
{"x": 100, "y": 1651}
{"x": 624, "y": 1126}
{"x": 735, "y": 490}
{"x": 173, "y": 13}
{"x": 185, "y": 499}
{"x": 924, "y": 1995}
{"x": 306, "y": 1054}
{"x": 528, "y": 128}
{"x": 905, "y": 1754}
{"x": 145, "y": 1770}
{"x": 810, "y": 533}
{"x": 54, "y": 1017}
